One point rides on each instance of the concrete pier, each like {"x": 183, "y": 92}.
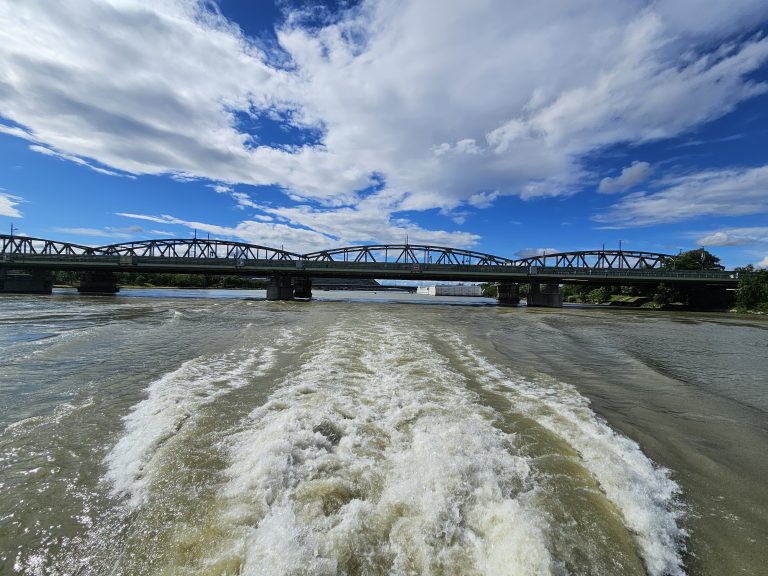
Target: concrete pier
{"x": 280, "y": 288}
{"x": 98, "y": 283}
{"x": 545, "y": 296}
{"x": 25, "y": 282}
{"x": 302, "y": 287}
{"x": 508, "y": 294}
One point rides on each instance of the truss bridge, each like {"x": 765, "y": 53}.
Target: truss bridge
{"x": 24, "y": 259}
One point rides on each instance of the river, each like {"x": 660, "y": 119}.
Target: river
{"x": 212, "y": 432}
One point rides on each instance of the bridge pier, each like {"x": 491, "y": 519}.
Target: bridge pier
{"x": 98, "y": 282}
{"x": 508, "y": 294}
{"x": 25, "y": 282}
{"x": 302, "y": 287}
{"x": 280, "y": 287}
{"x": 546, "y": 296}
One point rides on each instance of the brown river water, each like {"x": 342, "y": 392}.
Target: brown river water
{"x": 212, "y": 432}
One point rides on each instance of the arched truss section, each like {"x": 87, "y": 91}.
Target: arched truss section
{"x": 408, "y": 254}
{"x": 611, "y": 259}
{"x": 197, "y": 248}
{"x": 38, "y": 246}
{"x": 378, "y": 253}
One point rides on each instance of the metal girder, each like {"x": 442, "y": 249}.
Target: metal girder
{"x": 379, "y": 253}
{"x": 198, "y": 248}
{"x": 27, "y": 245}
{"x": 408, "y": 254}
{"x": 598, "y": 259}
{"x": 423, "y": 254}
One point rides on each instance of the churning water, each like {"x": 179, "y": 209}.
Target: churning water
{"x": 233, "y": 436}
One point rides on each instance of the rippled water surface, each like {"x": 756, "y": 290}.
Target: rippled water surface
{"x": 217, "y": 433}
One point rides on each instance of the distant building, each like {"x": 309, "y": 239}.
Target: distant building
{"x": 466, "y": 290}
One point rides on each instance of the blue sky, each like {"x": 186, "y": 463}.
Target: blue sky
{"x": 505, "y": 127}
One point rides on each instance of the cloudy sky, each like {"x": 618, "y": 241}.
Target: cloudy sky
{"x": 508, "y": 127}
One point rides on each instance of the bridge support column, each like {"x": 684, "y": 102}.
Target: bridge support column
{"x": 98, "y": 282}
{"x": 280, "y": 288}
{"x": 546, "y": 296}
{"x": 25, "y": 282}
{"x": 302, "y": 287}
{"x": 508, "y": 294}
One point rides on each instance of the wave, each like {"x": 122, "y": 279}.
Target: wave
{"x": 171, "y": 400}
{"x": 649, "y": 500}
{"x": 379, "y": 452}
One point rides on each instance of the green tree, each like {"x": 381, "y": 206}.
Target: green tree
{"x": 694, "y": 296}
{"x": 598, "y": 295}
{"x": 698, "y": 259}
{"x": 752, "y": 293}
{"x": 665, "y": 295}
{"x": 490, "y": 290}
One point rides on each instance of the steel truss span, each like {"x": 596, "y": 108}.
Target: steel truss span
{"x": 197, "y": 248}
{"x": 602, "y": 259}
{"x": 409, "y": 254}
{"x": 38, "y": 246}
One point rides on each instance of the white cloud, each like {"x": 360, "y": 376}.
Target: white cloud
{"x": 260, "y": 233}
{"x": 482, "y": 199}
{"x": 8, "y": 203}
{"x": 444, "y": 104}
{"x": 127, "y": 233}
{"x": 97, "y": 232}
{"x": 734, "y": 236}
{"x": 127, "y": 230}
{"x": 630, "y": 177}
{"x": 164, "y": 219}
{"x": 74, "y": 159}
{"x": 15, "y": 131}
{"x": 763, "y": 263}
{"x": 531, "y": 252}
{"x": 721, "y": 193}
{"x": 370, "y": 220}
{"x": 306, "y": 229}
{"x": 243, "y": 200}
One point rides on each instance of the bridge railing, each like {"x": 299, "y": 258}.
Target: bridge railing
{"x": 633, "y": 272}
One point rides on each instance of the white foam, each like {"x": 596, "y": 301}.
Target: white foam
{"x": 381, "y": 459}
{"x": 644, "y": 493}
{"x": 374, "y": 456}
{"x": 170, "y": 401}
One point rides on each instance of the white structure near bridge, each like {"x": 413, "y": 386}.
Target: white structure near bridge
{"x": 465, "y": 290}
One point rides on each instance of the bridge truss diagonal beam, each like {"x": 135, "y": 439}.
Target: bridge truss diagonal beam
{"x": 41, "y": 246}
{"x": 198, "y": 248}
{"x": 407, "y": 254}
{"x": 599, "y": 259}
